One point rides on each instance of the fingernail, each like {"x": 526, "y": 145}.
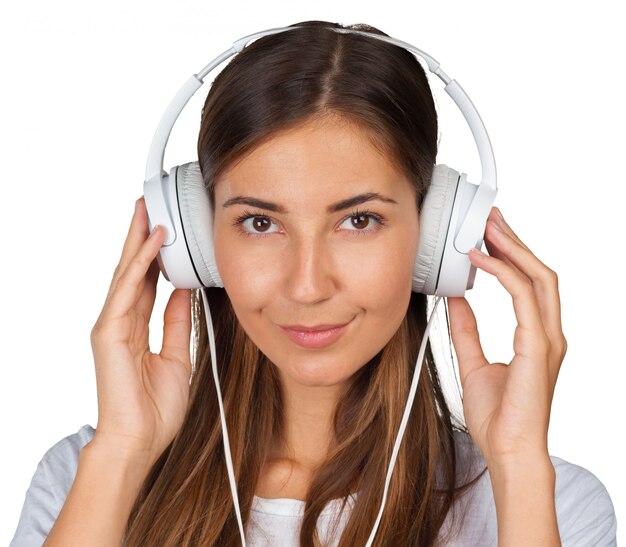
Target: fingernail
{"x": 499, "y": 221}
{"x": 477, "y": 251}
{"x": 153, "y": 230}
{"x": 497, "y": 224}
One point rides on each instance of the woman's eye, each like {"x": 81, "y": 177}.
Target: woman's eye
{"x": 361, "y": 222}
{"x": 252, "y": 223}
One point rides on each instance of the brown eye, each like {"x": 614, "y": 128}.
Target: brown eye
{"x": 362, "y": 221}
{"x": 254, "y": 224}
{"x": 260, "y": 223}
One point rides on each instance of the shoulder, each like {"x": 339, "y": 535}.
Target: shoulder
{"x": 61, "y": 459}
{"x": 49, "y": 487}
{"x": 58, "y": 465}
{"x": 585, "y": 511}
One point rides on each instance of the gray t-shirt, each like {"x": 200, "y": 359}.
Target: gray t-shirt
{"x": 585, "y": 512}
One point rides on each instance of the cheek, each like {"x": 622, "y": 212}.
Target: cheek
{"x": 381, "y": 276}
{"x": 384, "y": 296}
{"x": 247, "y": 277}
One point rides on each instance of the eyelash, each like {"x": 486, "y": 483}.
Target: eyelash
{"x": 250, "y": 214}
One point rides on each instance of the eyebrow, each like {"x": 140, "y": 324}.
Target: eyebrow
{"x": 333, "y": 208}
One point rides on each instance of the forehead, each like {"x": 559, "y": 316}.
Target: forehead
{"x": 316, "y": 159}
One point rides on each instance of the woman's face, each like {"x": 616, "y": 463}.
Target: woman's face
{"x": 298, "y": 260}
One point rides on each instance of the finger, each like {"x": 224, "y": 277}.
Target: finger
{"x": 137, "y": 234}
{"x": 543, "y": 279}
{"x": 127, "y": 291}
{"x": 465, "y": 337}
{"x": 530, "y": 339}
{"x": 496, "y": 216}
{"x": 493, "y": 249}
{"x": 145, "y": 304}
{"x": 177, "y": 328}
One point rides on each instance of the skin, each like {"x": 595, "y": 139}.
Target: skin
{"x": 323, "y": 278}
{"x": 310, "y": 267}
{"x": 507, "y": 406}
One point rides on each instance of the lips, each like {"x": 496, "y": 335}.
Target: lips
{"x": 314, "y": 339}
{"x": 302, "y": 328}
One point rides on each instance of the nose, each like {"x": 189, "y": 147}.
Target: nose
{"x": 308, "y": 270}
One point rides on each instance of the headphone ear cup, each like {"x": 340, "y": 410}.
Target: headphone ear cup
{"x": 434, "y": 223}
{"x": 197, "y": 221}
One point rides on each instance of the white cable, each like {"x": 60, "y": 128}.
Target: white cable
{"x": 229, "y": 461}
{"x": 403, "y": 424}
{"x": 405, "y": 419}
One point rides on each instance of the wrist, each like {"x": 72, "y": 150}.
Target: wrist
{"x": 128, "y": 457}
{"x": 512, "y": 476}
{"x": 524, "y": 497}
{"x": 521, "y": 465}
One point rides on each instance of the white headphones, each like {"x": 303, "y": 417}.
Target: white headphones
{"x": 452, "y": 221}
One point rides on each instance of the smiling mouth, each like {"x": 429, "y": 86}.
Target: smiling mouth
{"x": 302, "y": 328}
{"x": 314, "y": 339}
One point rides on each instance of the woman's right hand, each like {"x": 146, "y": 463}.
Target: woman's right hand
{"x": 142, "y": 396}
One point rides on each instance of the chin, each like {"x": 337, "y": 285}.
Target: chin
{"x": 314, "y": 376}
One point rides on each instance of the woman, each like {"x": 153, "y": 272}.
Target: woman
{"x": 301, "y": 120}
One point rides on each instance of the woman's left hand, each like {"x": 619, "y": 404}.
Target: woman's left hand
{"x": 507, "y": 407}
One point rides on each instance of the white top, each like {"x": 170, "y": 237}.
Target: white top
{"x": 585, "y": 512}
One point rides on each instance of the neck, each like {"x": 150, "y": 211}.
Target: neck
{"x": 308, "y": 434}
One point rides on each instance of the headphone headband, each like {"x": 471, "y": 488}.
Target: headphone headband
{"x": 482, "y": 201}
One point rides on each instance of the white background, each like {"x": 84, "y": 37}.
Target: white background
{"x": 84, "y": 85}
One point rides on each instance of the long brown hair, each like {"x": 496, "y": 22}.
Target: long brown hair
{"x": 275, "y": 83}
